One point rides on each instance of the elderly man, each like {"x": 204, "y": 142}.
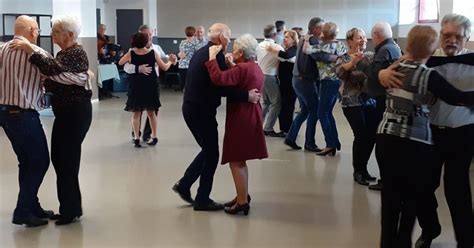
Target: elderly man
{"x": 268, "y": 62}
{"x": 386, "y": 52}
{"x": 453, "y": 135}
{"x": 200, "y": 103}
{"x": 199, "y": 39}
{"x": 21, "y": 97}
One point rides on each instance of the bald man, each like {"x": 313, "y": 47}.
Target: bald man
{"x": 21, "y": 97}
{"x": 200, "y": 103}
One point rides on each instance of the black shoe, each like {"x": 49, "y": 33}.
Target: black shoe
{"x": 422, "y": 242}
{"x": 368, "y": 177}
{"x": 330, "y": 152}
{"x": 152, "y": 141}
{"x": 208, "y": 206}
{"x": 31, "y": 221}
{"x": 272, "y": 134}
{"x": 378, "y": 186}
{"x": 312, "y": 149}
{"x": 233, "y": 202}
{"x": 292, "y": 144}
{"x": 184, "y": 194}
{"x": 44, "y": 214}
{"x": 359, "y": 178}
{"x": 146, "y": 139}
{"x": 237, "y": 209}
{"x": 281, "y": 134}
{"x": 64, "y": 220}
{"x": 136, "y": 143}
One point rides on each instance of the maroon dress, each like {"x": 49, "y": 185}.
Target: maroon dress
{"x": 243, "y": 139}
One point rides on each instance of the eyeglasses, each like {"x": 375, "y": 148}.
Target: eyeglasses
{"x": 446, "y": 36}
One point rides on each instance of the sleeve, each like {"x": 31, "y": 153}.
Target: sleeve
{"x": 467, "y": 59}
{"x": 130, "y": 68}
{"x": 446, "y": 92}
{"x": 47, "y": 65}
{"x": 223, "y": 78}
{"x": 380, "y": 61}
{"x": 71, "y": 78}
{"x": 340, "y": 71}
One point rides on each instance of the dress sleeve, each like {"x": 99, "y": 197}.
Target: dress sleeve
{"x": 223, "y": 78}
{"x": 446, "y": 92}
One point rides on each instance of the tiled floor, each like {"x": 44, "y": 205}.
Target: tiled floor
{"x": 299, "y": 199}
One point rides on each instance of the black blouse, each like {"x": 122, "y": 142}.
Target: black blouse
{"x": 73, "y": 60}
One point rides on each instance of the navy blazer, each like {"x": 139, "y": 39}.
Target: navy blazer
{"x": 199, "y": 90}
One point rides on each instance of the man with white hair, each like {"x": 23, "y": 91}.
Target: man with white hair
{"x": 200, "y": 103}
{"x": 21, "y": 97}
{"x": 453, "y": 135}
{"x": 200, "y": 40}
{"x": 386, "y": 52}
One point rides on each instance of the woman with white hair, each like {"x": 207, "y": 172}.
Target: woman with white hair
{"x": 243, "y": 139}
{"x": 71, "y": 102}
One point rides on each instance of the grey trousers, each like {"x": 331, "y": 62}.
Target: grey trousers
{"x": 271, "y": 102}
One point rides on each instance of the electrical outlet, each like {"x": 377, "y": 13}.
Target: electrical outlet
{"x": 175, "y": 42}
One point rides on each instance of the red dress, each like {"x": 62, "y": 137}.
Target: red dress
{"x": 243, "y": 139}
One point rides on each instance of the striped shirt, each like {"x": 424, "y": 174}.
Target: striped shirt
{"x": 20, "y": 81}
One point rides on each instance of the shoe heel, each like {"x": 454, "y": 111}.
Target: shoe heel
{"x": 246, "y": 212}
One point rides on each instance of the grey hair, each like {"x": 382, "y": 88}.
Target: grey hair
{"x": 384, "y": 29}
{"x": 458, "y": 20}
{"x": 248, "y": 45}
{"x": 68, "y": 23}
{"x": 269, "y": 31}
{"x": 216, "y": 30}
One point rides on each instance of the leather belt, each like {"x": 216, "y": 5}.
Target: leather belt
{"x": 13, "y": 109}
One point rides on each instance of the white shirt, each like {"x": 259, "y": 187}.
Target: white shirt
{"x": 268, "y": 61}
{"x": 461, "y": 77}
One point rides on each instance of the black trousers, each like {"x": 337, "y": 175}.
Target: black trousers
{"x": 203, "y": 125}
{"x": 455, "y": 148}
{"x": 69, "y": 130}
{"x": 363, "y": 122}
{"x": 288, "y": 100}
{"x": 182, "y": 78}
{"x": 406, "y": 167}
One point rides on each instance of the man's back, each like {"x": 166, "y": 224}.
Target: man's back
{"x": 268, "y": 61}
{"x": 20, "y": 81}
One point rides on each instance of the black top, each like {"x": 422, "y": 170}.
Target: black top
{"x": 285, "y": 69}
{"x": 305, "y": 65}
{"x": 72, "y": 59}
{"x": 199, "y": 89}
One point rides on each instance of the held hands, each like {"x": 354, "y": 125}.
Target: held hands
{"x": 144, "y": 69}
{"x": 272, "y": 48}
{"x": 173, "y": 59}
{"x": 213, "y": 51}
{"x": 356, "y": 57}
{"x": 181, "y": 55}
{"x": 229, "y": 60}
{"x": 389, "y": 78}
{"x": 254, "y": 96}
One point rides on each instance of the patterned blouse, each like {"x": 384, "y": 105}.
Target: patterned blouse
{"x": 328, "y": 70}
{"x": 73, "y": 60}
{"x": 408, "y": 109}
{"x": 187, "y": 47}
{"x": 355, "y": 81}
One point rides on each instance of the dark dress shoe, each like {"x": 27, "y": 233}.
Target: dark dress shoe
{"x": 312, "y": 149}
{"x": 272, "y": 134}
{"x": 281, "y": 134}
{"x": 64, "y": 220}
{"x": 378, "y": 186}
{"x": 208, "y": 206}
{"x": 184, "y": 194}
{"x": 238, "y": 209}
{"x": 233, "y": 202}
{"x": 423, "y": 242}
{"x": 31, "y": 221}
{"x": 330, "y": 152}
{"x": 368, "y": 177}
{"x": 359, "y": 178}
{"x": 44, "y": 214}
{"x": 152, "y": 141}
{"x": 136, "y": 143}
{"x": 292, "y": 144}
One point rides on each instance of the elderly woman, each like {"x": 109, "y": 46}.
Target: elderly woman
{"x": 329, "y": 86}
{"x": 285, "y": 74}
{"x": 187, "y": 48}
{"x": 71, "y": 102}
{"x": 243, "y": 139}
{"x": 357, "y": 106}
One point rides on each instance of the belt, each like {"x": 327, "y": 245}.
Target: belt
{"x": 440, "y": 127}
{"x": 13, "y": 109}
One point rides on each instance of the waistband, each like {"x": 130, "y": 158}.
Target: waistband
{"x": 14, "y": 109}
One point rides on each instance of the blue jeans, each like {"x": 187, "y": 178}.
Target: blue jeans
{"x": 328, "y": 93}
{"x": 306, "y": 91}
{"x": 25, "y": 132}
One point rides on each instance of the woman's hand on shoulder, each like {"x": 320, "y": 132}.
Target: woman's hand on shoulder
{"x": 213, "y": 51}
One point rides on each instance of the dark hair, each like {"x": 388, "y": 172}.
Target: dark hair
{"x": 269, "y": 31}
{"x": 139, "y": 40}
{"x": 279, "y": 25}
{"x": 189, "y": 31}
{"x": 143, "y": 27}
{"x": 314, "y": 22}
{"x": 298, "y": 31}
